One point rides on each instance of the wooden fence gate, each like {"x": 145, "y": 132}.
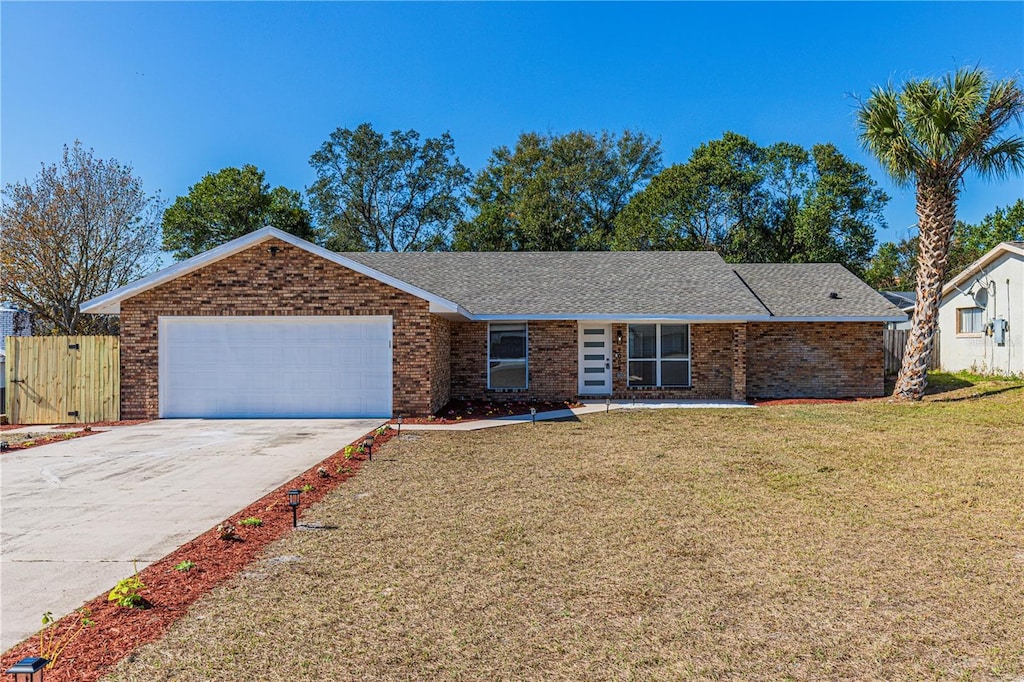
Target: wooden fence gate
{"x": 894, "y": 340}
{"x": 63, "y": 379}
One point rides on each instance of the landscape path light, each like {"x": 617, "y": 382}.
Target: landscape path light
{"x": 368, "y": 446}
{"x": 399, "y": 425}
{"x": 533, "y": 415}
{"x": 31, "y": 668}
{"x": 293, "y": 502}
{"x": 607, "y": 404}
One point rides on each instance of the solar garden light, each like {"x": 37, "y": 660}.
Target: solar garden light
{"x": 399, "y": 420}
{"x": 607, "y": 404}
{"x": 533, "y": 415}
{"x": 28, "y": 667}
{"x": 368, "y": 446}
{"x": 293, "y": 502}
{"x": 4, "y": 446}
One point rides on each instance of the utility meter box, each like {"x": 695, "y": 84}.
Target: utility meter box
{"x": 999, "y": 327}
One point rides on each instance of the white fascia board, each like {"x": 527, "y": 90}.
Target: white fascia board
{"x": 596, "y": 317}
{"x": 111, "y": 301}
{"x": 884, "y": 318}
{"x": 973, "y": 269}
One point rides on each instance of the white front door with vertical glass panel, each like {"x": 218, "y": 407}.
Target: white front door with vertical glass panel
{"x": 595, "y": 359}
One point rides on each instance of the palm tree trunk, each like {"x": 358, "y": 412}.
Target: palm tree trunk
{"x": 936, "y": 214}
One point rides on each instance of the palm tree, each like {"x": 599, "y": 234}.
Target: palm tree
{"x": 933, "y": 132}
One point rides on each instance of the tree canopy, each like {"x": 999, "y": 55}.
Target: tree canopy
{"x": 556, "y": 192}
{"x": 228, "y": 204}
{"x": 894, "y": 265}
{"x": 387, "y": 194}
{"x": 80, "y": 228}
{"x": 932, "y": 133}
{"x": 780, "y": 203}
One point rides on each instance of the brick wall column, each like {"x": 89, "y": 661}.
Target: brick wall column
{"x": 739, "y": 362}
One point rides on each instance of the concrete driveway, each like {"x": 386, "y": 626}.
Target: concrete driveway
{"x": 74, "y": 515}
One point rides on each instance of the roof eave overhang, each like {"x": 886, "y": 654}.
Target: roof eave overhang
{"x": 972, "y": 269}
{"x": 110, "y": 303}
{"x": 615, "y": 317}
{"x": 840, "y": 318}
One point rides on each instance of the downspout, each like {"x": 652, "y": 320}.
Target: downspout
{"x": 1009, "y": 344}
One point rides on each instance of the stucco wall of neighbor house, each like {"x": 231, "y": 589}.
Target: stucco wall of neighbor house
{"x": 440, "y": 362}
{"x": 292, "y": 282}
{"x": 815, "y": 360}
{"x": 551, "y": 362}
{"x": 979, "y": 352}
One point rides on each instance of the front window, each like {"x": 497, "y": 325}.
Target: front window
{"x": 659, "y": 355}
{"x": 506, "y": 356}
{"x": 969, "y": 320}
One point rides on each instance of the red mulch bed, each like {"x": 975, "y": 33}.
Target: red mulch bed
{"x": 45, "y": 440}
{"x": 806, "y": 401}
{"x": 124, "y": 422}
{"x": 118, "y": 631}
{"x": 471, "y": 410}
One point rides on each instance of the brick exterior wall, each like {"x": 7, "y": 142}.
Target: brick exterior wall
{"x": 711, "y": 366}
{"x": 440, "y": 365}
{"x": 293, "y": 282}
{"x": 814, "y": 360}
{"x": 554, "y": 363}
{"x": 551, "y": 362}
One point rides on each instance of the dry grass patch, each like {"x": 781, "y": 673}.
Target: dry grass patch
{"x": 842, "y": 541}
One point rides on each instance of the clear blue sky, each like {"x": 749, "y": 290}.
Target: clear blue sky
{"x": 181, "y": 89}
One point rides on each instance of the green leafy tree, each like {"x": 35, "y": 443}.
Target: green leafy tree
{"x": 387, "y": 194}
{"x": 81, "y": 228}
{"x": 228, "y": 204}
{"x": 894, "y": 265}
{"x": 971, "y": 242}
{"x": 696, "y": 205}
{"x": 930, "y": 133}
{"x": 556, "y": 192}
{"x": 780, "y": 203}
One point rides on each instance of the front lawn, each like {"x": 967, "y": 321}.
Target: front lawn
{"x": 862, "y": 540}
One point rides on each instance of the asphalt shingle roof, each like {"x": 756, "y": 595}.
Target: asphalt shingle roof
{"x": 644, "y": 283}
{"x": 805, "y": 290}
{"x": 578, "y": 283}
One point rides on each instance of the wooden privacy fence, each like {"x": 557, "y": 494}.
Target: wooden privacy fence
{"x": 63, "y": 379}
{"x": 894, "y": 340}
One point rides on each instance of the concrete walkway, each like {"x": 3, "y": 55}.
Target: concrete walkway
{"x": 73, "y": 515}
{"x": 569, "y": 413}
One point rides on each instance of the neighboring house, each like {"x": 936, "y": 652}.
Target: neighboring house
{"x": 981, "y": 314}
{"x": 904, "y": 300}
{"x": 269, "y": 325}
{"x": 13, "y": 322}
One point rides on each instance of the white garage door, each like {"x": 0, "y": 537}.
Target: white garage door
{"x": 266, "y": 367}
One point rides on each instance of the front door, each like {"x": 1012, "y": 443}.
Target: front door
{"x": 595, "y": 359}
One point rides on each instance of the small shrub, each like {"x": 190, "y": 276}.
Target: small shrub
{"x": 185, "y": 566}
{"x": 252, "y": 522}
{"x": 126, "y": 592}
{"x": 322, "y": 472}
{"x": 342, "y": 469}
{"x": 350, "y": 451}
{"x": 49, "y": 646}
{"x": 307, "y": 488}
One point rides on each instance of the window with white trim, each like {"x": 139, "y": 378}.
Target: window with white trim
{"x": 659, "y": 355}
{"x": 506, "y": 355}
{"x": 970, "y": 320}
